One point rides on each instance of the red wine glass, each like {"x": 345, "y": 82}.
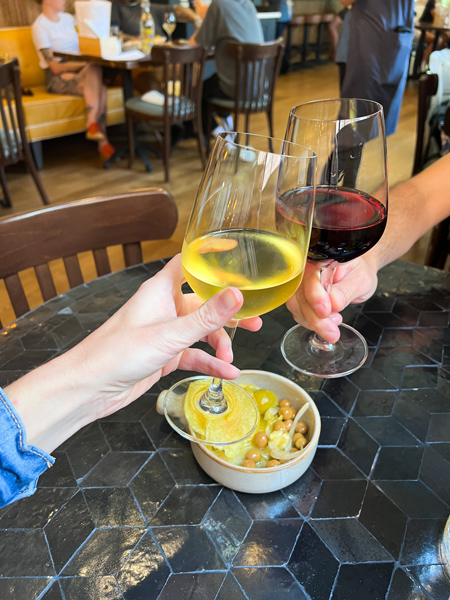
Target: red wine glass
{"x": 350, "y": 212}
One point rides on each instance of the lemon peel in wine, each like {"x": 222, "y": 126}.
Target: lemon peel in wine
{"x": 233, "y": 424}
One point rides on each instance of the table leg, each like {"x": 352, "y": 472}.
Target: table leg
{"x": 127, "y": 87}
{"x": 419, "y": 55}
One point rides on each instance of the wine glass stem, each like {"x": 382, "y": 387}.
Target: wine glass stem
{"x": 317, "y": 343}
{"x": 213, "y": 400}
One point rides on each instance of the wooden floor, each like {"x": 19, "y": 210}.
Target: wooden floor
{"x": 73, "y": 170}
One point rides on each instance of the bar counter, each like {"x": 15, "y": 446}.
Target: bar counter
{"x": 126, "y": 513}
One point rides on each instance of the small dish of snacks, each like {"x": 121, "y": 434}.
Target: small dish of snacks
{"x": 281, "y": 449}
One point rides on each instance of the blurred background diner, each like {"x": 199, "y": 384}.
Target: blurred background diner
{"x": 70, "y": 167}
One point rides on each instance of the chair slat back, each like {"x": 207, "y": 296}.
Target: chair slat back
{"x": 257, "y": 69}
{"x": 428, "y": 85}
{"x": 35, "y": 238}
{"x": 12, "y": 122}
{"x": 182, "y": 80}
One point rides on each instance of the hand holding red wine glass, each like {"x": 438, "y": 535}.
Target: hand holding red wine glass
{"x": 348, "y": 136}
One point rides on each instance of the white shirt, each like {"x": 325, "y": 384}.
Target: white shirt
{"x": 59, "y": 37}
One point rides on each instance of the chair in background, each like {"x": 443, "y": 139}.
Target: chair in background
{"x": 257, "y": 69}
{"x": 35, "y": 238}
{"x": 14, "y": 145}
{"x": 182, "y": 86}
{"x": 428, "y": 85}
{"x": 439, "y": 245}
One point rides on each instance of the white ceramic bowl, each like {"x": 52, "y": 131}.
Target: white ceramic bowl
{"x": 260, "y": 481}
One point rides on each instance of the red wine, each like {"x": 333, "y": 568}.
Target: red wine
{"x": 346, "y": 224}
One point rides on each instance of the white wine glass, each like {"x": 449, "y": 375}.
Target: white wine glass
{"x": 169, "y": 24}
{"x": 350, "y": 213}
{"x": 241, "y": 233}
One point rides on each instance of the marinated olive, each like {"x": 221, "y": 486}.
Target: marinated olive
{"x": 295, "y": 437}
{"x": 265, "y": 399}
{"x": 261, "y": 440}
{"x": 300, "y": 442}
{"x": 286, "y": 413}
{"x": 250, "y": 464}
{"x": 285, "y": 402}
{"x": 301, "y": 428}
{"x": 279, "y": 426}
{"x": 289, "y": 424}
{"x": 253, "y": 455}
{"x": 273, "y": 463}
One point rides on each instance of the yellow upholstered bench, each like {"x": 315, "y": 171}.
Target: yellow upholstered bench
{"x": 50, "y": 115}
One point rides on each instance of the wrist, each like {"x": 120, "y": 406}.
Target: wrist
{"x": 50, "y": 401}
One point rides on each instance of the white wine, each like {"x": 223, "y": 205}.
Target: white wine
{"x": 169, "y": 28}
{"x": 265, "y": 266}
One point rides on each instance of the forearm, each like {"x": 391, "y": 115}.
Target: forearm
{"x": 64, "y": 67}
{"x": 50, "y": 400}
{"x": 415, "y": 206}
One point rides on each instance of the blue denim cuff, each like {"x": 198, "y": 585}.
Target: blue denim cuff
{"x": 20, "y": 464}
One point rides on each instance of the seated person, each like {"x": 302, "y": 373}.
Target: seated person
{"x": 54, "y": 30}
{"x": 428, "y": 16}
{"x": 225, "y": 20}
{"x": 126, "y": 15}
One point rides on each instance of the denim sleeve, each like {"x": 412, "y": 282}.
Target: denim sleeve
{"x": 20, "y": 464}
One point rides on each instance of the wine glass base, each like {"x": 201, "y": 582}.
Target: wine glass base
{"x": 330, "y": 360}
{"x": 184, "y": 415}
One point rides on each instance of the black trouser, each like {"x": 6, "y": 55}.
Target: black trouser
{"x": 211, "y": 89}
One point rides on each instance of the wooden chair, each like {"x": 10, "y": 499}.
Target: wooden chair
{"x": 34, "y": 238}
{"x": 257, "y": 69}
{"x": 428, "y": 85}
{"x": 14, "y": 145}
{"x": 182, "y": 85}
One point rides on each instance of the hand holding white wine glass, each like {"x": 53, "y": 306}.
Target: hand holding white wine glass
{"x": 240, "y": 235}
{"x": 348, "y": 136}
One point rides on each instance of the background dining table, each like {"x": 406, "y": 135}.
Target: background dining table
{"x": 126, "y": 513}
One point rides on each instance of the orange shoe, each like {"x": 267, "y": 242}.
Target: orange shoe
{"x": 95, "y": 133}
{"x": 107, "y": 150}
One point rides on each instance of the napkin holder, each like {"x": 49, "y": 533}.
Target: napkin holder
{"x": 108, "y": 46}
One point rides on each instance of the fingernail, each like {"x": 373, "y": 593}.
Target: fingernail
{"x": 320, "y": 310}
{"x": 227, "y": 299}
{"x": 336, "y": 319}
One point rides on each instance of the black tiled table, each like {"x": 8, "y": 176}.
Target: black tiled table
{"x": 126, "y": 513}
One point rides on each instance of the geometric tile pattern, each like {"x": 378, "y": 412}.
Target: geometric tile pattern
{"x": 127, "y": 513}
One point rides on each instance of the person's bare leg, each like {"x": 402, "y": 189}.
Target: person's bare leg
{"x": 92, "y": 92}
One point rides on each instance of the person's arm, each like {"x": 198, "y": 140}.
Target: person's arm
{"x": 189, "y": 15}
{"x": 149, "y": 337}
{"x": 57, "y": 67}
{"x": 205, "y": 34}
{"x": 414, "y": 207}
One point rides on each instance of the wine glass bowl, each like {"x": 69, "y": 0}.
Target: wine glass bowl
{"x": 238, "y": 235}
{"x": 350, "y": 213}
{"x": 169, "y": 24}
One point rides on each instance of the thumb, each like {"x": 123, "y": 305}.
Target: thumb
{"x": 356, "y": 285}
{"x": 209, "y": 317}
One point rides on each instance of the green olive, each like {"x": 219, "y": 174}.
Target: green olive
{"x": 253, "y": 455}
{"x": 286, "y": 413}
{"x": 300, "y": 442}
{"x": 265, "y": 399}
{"x": 288, "y": 424}
{"x": 261, "y": 440}
{"x": 284, "y": 403}
{"x": 301, "y": 428}
{"x": 279, "y": 426}
{"x": 273, "y": 463}
{"x": 250, "y": 464}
